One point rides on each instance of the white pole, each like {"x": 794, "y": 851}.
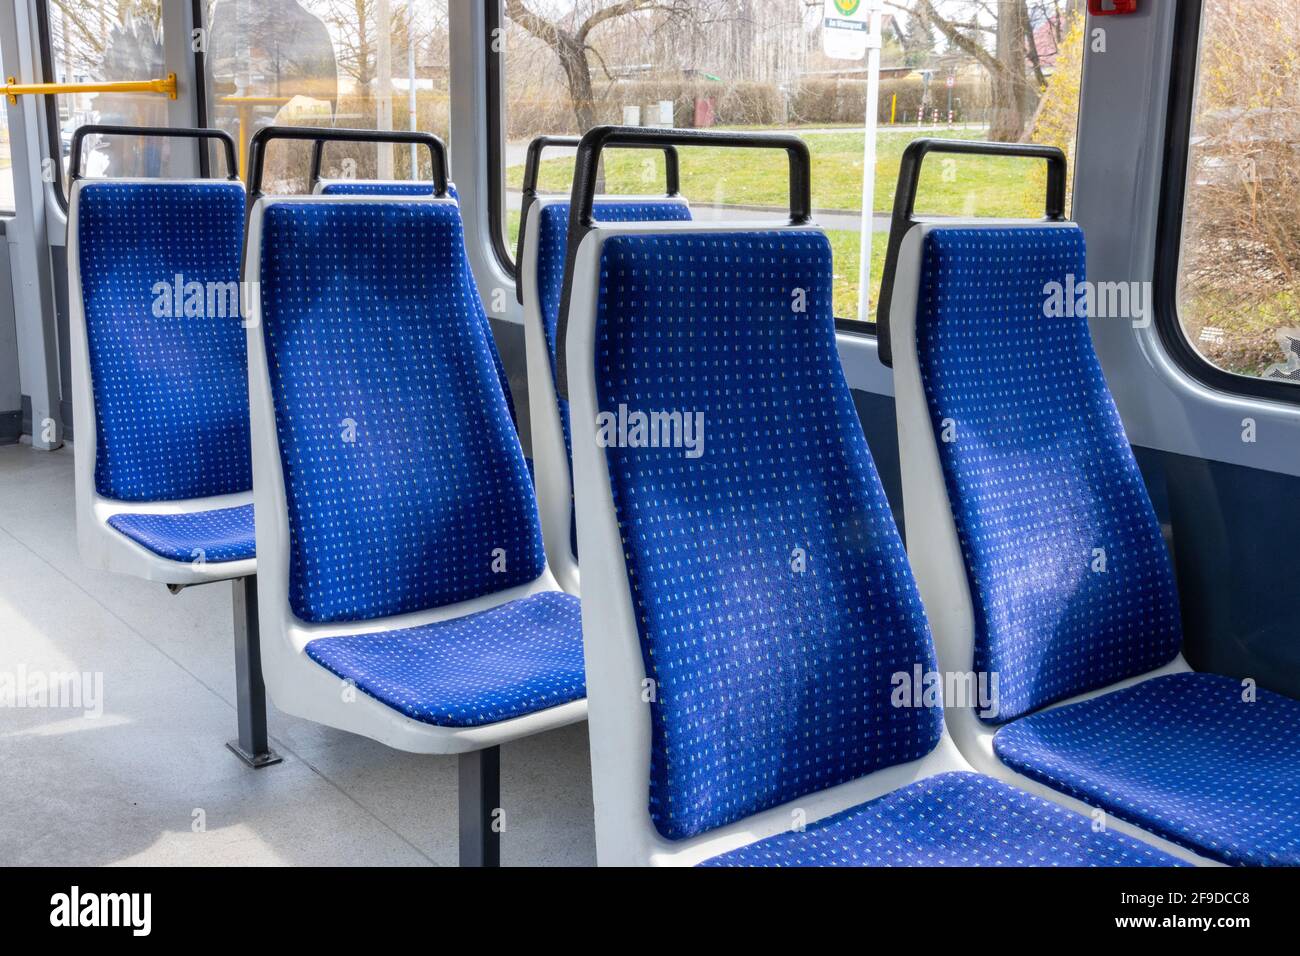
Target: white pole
{"x": 410, "y": 96}
{"x": 869, "y": 163}
{"x": 384, "y": 83}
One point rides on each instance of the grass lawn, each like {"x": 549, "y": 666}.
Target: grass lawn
{"x": 845, "y": 247}
{"x": 844, "y": 251}
{"x": 961, "y": 185}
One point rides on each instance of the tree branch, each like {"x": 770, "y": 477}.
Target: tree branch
{"x": 952, "y": 31}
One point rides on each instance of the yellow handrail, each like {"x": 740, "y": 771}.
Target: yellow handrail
{"x": 14, "y": 89}
{"x": 245, "y": 104}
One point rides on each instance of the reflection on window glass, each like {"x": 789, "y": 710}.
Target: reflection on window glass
{"x": 6, "y": 160}
{"x": 951, "y": 68}
{"x": 1239, "y": 275}
{"x": 328, "y": 63}
{"x": 105, "y": 41}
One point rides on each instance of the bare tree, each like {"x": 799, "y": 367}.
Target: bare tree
{"x": 356, "y": 29}
{"x": 1013, "y": 90}
{"x": 570, "y": 39}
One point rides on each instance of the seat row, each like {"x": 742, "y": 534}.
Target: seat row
{"x": 753, "y": 648}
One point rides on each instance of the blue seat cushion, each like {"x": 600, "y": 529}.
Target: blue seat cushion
{"x": 1069, "y": 578}
{"x": 508, "y": 661}
{"x": 405, "y": 483}
{"x": 771, "y": 592}
{"x": 223, "y": 534}
{"x": 1184, "y": 756}
{"x": 159, "y": 268}
{"x": 952, "y": 819}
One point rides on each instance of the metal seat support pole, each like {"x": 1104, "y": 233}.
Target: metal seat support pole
{"x": 252, "y": 747}
{"x": 479, "y": 773}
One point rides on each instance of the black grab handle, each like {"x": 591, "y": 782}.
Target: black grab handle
{"x": 171, "y": 132}
{"x": 903, "y": 218}
{"x": 581, "y": 203}
{"x": 533, "y": 169}
{"x": 318, "y": 160}
{"x": 319, "y": 135}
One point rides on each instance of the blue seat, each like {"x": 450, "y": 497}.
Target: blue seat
{"x": 771, "y": 605}
{"x": 1182, "y": 756}
{"x": 542, "y": 282}
{"x": 951, "y": 819}
{"x": 493, "y": 665}
{"x": 159, "y": 371}
{"x": 160, "y": 396}
{"x": 224, "y": 534}
{"x": 1040, "y": 474}
{"x": 394, "y": 490}
{"x": 1031, "y": 530}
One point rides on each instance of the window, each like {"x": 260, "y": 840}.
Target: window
{"x": 759, "y": 64}
{"x": 1237, "y": 282}
{"x": 101, "y": 41}
{"x": 328, "y": 63}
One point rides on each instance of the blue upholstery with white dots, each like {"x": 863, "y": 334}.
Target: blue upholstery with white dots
{"x": 552, "y": 249}
{"x": 553, "y": 244}
{"x": 405, "y": 483}
{"x": 952, "y": 819}
{"x": 505, "y": 662}
{"x": 771, "y": 592}
{"x": 170, "y": 390}
{"x": 1069, "y": 578}
{"x": 1185, "y": 756}
{"x": 372, "y": 187}
{"x": 219, "y": 535}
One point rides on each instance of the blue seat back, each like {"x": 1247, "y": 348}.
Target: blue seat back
{"x": 771, "y": 591}
{"x": 1069, "y": 578}
{"x": 159, "y": 271}
{"x": 404, "y": 479}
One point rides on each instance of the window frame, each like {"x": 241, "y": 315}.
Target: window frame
{"x": 53, "y": 128}
{"x": 494, "y": 131}
{"x": 1179, "y": 119}
{"x": 201, "y": 116}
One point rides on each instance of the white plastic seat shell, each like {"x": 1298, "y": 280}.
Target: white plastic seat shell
{"x": 939, "y": 566}
{"x": 101, "y": 546}
{"x": 297, "y": 684}
{"x": 551, "y": 458}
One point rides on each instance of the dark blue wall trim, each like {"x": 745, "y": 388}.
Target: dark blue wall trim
{"x": 1235, "y": 535}
{"x": 509, "y": 337}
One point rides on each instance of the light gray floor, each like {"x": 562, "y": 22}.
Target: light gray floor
{"x": 127, "y": 787}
